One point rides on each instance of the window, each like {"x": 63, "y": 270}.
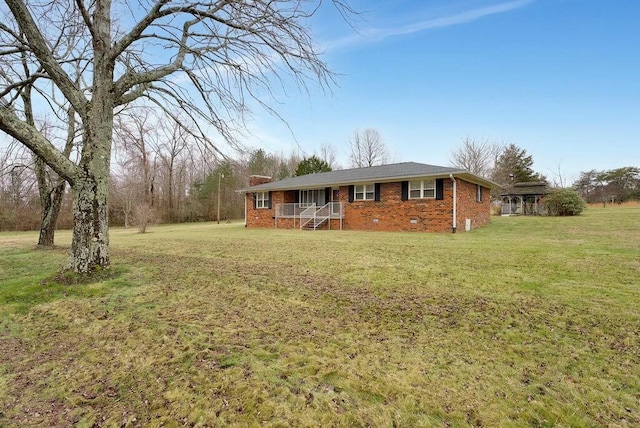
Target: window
{"x": 262, "y": 200}
{"x": 478, "y": 193}
{"x": 422, "y": 189}
{"x": 364, "y": 192}
{"x": 312, "y": 196}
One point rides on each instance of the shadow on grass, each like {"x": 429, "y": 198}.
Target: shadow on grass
{"x": 19, "y": 294}
{"x": 74, "y": 278}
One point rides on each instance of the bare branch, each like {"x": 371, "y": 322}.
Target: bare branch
{"x": 40, "y": 48}
{"x": 368, "y": 149}
{"x": 30, "y": 137}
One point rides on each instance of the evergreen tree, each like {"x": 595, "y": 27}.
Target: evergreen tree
{"x": 515, "y": 166}
{"x": 312, "y": 165}
{"x": 262, "y": 163}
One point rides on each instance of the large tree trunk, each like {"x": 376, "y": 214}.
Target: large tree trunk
{"x": 50, "y": 202}
{"x": 50, "y": 211}
{"x": 51, "y": 199}
{"x": 90, "y": 245}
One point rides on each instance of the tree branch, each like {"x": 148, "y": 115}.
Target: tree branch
{"x": 30, "y": 137}
{"x": 40, "y": 49}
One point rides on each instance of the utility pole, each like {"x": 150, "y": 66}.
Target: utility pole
{"x": 220, "y": 177}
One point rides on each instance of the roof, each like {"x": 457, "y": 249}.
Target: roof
{"x": 372, "y": 174}
{"x": 531, "y": 188}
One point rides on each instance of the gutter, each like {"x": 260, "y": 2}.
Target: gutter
{"x": 455, "y": 199}
{"x": 245, "y": 209}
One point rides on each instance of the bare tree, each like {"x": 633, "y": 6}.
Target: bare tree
{"x": 328, "y": 154}
{"x": 135, "y": 133}
{"x": 143, "y": 216}
{"x": 558, "y": 179}
{"x": 17, "y": 189}
{"x": 215, "y": 55}
{"x": 173, "y": 142}
{"x": 476, "y": 156}
{"x": 124, "y": 194}
{"x": 51, "y": 187}
{"x": 368, "y": 149}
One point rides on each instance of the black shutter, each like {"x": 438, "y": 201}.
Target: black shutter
{"x": 405, "y": 190}
{"x": 327, "y": 195}
{"x": 377, "y": 192}
{"x": 269, "y": 203}
{"x": 440, "y": 188}
{"x": 255, "y": 200}
{"x": 351, "y": 193}
{"x": 296, "y": 199}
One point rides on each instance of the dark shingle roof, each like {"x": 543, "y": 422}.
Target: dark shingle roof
{"x": 381, "y": 173}
{"x": 532, "y": 188}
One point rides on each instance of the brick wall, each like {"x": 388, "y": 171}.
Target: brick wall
{"x": 391, "y": 213}
{"x": 262, "y": 217}
{"x": 255, "y": 180}
{"x": 469, "y": 208}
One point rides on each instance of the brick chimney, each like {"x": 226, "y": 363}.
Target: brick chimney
{"x": 255, "y": 180}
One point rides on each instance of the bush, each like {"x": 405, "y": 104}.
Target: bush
{"x": 143, "y": 216}
{"x": 564, "y": 202}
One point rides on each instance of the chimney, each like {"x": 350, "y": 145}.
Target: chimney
{"x": 255, "y": 180}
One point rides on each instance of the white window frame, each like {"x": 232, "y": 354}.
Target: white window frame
{"x": 364, "y": 192}
{"x": 425, "y": 188}
{"x": 478, "y": 193}
{"x": 262, "y": 200}
{"x": 309, "y": 197}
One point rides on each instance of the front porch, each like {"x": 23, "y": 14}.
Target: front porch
{"x": 310, "y": 216}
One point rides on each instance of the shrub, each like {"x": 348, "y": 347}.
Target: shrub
{"x": 564, "y": 202}
{"x": 143, "y": 216}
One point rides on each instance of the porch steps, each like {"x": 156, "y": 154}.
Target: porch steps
{"x": 315, "y": 223}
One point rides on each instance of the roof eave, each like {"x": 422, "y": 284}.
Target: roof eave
{"x": 467, "y": 176}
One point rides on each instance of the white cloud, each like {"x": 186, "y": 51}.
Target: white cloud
{"x": 378, "y": 34}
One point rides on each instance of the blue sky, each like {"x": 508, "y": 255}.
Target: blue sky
{"x": 559, "y": 78}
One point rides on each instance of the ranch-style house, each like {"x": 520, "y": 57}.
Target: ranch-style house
{"x": 404, "y": 196}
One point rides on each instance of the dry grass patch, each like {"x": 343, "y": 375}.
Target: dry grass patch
{"x": 527, "y": 322}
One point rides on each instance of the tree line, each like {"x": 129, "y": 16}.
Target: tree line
{"x": 507, "y": 164}
{"x": 161, "y": 174}
{"x": 201, "y": 63}
{"x": 610, "y": 186}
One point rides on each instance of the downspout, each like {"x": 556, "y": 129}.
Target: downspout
{"x": 455, "y": 198}
{"x": 245, "y": 208}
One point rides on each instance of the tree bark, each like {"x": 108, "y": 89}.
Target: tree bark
{"x": 90, "y": 245}
{"x": 51, "y": 204}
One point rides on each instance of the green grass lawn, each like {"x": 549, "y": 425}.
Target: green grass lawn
{"x": 530, "y": 321}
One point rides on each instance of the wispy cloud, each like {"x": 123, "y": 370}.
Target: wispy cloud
{"x": 378, "y": 34}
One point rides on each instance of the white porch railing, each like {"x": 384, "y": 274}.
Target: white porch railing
{"x": 305, "y": 214}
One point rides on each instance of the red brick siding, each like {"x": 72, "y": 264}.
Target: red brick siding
{"x": 391, "y": 213}
{"x": 262, "y": 217}
{"x": 255, "y": 180}
{"x": 469, "y": 208}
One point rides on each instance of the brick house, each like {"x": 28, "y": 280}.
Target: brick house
{"x": 404, "y": 196}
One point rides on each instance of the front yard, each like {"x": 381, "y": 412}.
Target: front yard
{"x": 531, "y": 321}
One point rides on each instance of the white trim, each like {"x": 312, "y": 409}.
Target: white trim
{"x": 455, "y": 203}
{"x": 317, "y": 196}
{"x": 426, "y": 186}
{"x": 262, "y": 200}
{"x": 366, "y": 189}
